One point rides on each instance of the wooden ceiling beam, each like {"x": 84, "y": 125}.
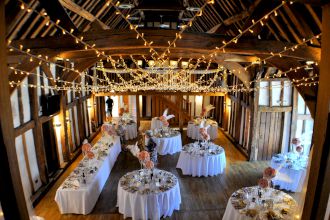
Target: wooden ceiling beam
{"x": 82, "y": 65}
{"x": 203, "y": 43}
{"x": 56, "y": 12}
{"x": 314, "y": 15}
{"x": 72, "y": 6}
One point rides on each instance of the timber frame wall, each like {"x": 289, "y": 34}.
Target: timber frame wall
{"x": 80, "y": 117}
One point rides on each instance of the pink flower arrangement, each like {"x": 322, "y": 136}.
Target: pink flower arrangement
{"x": 165, "y": 123}
{"x": 149, "y": 164}
{"x": 205, "y": 136}
{"x": 90, "y": 155}
{"x": 263, "y": 183}
{"x": 162, "y": 118}
{"x": 299, "y": 149}
{"x": 269, "y": 173}
{"x": 111, "y": 131}
{"x": 295, "y": 141}
{"x": 105, "y": 128}
{"x": 121, "y": 111}
{"x": 144, "y": 156}
{"x": 86, "y": 147}
{"x": 203, "y": 112}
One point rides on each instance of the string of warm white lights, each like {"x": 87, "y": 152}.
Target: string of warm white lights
{"x": 78, "y": 40}
{"x": 308, "y": 82}
{"x": 170, "y": 81}
{"x": 249, "y": 29}
{"x": 46, "y": 60}
{"x": 286, "y": 49}
{"x": 178, "y": 35}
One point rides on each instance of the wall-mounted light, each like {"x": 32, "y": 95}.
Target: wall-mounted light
{"x": 89, "y": 106}
{"x": 57, "y": 124}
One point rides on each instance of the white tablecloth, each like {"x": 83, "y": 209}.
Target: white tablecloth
{"x": 193, "y": 131}
{"x": 291, "y": 179}
{"x": 196, "y": 165}
{"x": 131, "y": 131}
{"x": 83, "y": 199}
{"x": 148, "y": 206}
{"x": 155, "y": 123}
{"x": 234, "y": 214}
{"x": 167, "y": 145}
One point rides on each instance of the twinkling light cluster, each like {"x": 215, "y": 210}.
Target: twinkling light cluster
{"x": 160, "y": 77}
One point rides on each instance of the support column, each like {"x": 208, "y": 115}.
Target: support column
{"x": 319, "y": 182}
{"x": 138, "y": 116}
{"x": 37, "y": 131}
{"x": 180, "y": 100}
{"x": 14, "y": 205}
{"x": 64, "y": 130}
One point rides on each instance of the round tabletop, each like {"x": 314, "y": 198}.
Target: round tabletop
{"x": 146, "y": 194}
{"x": 202, "y": 159}
{"x": 167, "y": 142}
{"x": 271, "y": 204}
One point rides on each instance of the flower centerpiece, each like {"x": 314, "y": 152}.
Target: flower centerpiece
{"x": 205, "y": 110}
{"x": 263, "y": 183}
{"x": 268, "y": 174}
{"x": 86, "y": 147}
{"x": 164, "y": 118}
{"x": 149, "y": 164}
{"x": 143, "y": 157}
{"x": 295, "y": 141}
{"x": 203, "y": 131}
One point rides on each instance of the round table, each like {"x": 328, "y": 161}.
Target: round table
{"x": 202, "y": 159}
{"x": 156, "y": 123}
{"x": 167, "y": 145}
{"x": 139, "y": 197}
{"x": 131, "y": 131}
{"x": 193, "y": 129}
{"x": 291, "y": 171}
{"x": 241, "y": 207}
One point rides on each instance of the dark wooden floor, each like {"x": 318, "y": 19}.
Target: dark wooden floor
{"x": 202, "y": 198}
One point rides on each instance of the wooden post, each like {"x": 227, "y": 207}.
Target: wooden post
{"x": 319, "y": 180}
{"x": 180, "y": 101}
{"x": 7, "y": 127}
{"x": 64, "y": 130}
{"x": 37, "y": 131}
{"x": 138, "y": 116}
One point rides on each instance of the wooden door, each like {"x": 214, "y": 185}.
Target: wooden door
{"x": 270, "y": 134}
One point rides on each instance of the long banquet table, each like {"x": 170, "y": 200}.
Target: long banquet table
{"x": 291, "y": 171}
{"x": 77, "y": 197}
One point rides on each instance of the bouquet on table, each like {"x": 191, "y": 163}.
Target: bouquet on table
{"x": 205, "y": 110}
{"x": 203, "y": 131}
{"x": 108, "y": 129}
{"x": 87, "y": 151}
{"x": 268, "y": 174}
{"x": 143, "y": 156}
{"x": 164, "y": 118}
